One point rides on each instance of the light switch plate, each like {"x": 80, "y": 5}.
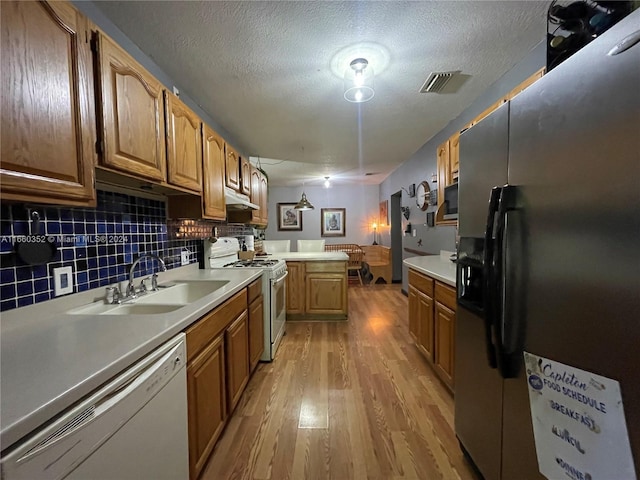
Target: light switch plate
{"x": 62, "y": 281}
{"x": 184, "y": 257}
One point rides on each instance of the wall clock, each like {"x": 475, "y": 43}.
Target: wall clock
{"x": 422, "y": 195}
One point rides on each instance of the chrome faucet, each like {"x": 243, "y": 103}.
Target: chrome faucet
{"x": 131, "y": 289}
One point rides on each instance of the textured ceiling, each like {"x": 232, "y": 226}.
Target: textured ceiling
{"x": 268, "y": 72}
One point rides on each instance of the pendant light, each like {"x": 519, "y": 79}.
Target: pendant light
{"x": 358, "y": 81}
{"x": 304, "y": 204}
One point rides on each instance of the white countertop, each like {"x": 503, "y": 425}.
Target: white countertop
{"x": 436, "y": 266}
{"x": 311, "y": 256}
{"x": 50, "y": 359}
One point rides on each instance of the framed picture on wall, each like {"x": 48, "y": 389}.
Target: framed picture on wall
{"x": 289, "y": 218}
{"x": 384, "y": 213}
{"x": 332, "y": 222}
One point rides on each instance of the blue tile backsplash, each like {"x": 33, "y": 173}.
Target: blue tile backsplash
{"x": 100, "y": 244}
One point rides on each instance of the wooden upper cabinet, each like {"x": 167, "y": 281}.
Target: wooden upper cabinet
{"x": 245, "y": 176}
{"x": 130, "y": 113}
{"x": 528, "y": 82}
{"x": 489, "y": 110}
{"x": 48, "y": 120}
{"x": 232, "y": 168}
{"x": 265, "y": 200}
{"x": 213, "y": 174}
{"x": 259, "y": 197}
{"x": 184, "y": 145}
{"x": 454, "y": 156}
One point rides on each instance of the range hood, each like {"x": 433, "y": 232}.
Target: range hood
{"x": 238, "y": 201}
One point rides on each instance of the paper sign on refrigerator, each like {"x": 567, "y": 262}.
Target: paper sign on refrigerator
{"x": 578, "y": 422}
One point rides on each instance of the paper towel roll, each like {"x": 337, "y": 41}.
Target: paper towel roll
{"x": 249, "y": 241}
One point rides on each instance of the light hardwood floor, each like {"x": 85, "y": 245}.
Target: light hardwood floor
{"x": 346, "y": 401}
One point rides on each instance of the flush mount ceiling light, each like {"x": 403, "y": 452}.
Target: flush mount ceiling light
{"x": 327, "y": 183}
{"x": 358, "y": 81}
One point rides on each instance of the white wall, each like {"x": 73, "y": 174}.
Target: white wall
{"x": 360, "y": 201}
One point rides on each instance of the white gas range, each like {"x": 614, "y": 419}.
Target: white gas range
{"x": 223, "y": 253}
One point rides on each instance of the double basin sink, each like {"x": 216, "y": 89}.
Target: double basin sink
{"x": 167, "y": 298}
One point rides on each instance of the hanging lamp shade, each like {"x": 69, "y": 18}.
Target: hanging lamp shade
{"x": 304, "y": 204}
{"x": 358, "y": 81}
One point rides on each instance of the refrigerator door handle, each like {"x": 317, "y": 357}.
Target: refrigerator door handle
{"x": 506, "y": 364}
{"x": 488, "y": 286}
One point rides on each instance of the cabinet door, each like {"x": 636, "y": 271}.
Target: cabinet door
{"x": 454, "y": 156}
{"x": 245, "y": 176}
{"x": 48, "y": 118}
{"x": 326, "y": 293}
{"x": 264, "y": 199}
{"x": 444, "y": 170}
{"x": 184, "y": 145}
{"x": 232, "y": 168}
{"x": 258, "y": 196}
{"x": 414, "y": 314}
{"x": 207, "y": 403}
{"x": 295, "y": 288}
{"x": 213, "y": 174}
{"x": 426, "y": 326}
{"x": 237, "y": 349}
{"x": 444, "y": 346}
{"x": 256, "y": 331}
{"x": 132, "y": 114}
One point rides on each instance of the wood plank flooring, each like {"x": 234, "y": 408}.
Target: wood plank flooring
{"x": 345, "y": 401}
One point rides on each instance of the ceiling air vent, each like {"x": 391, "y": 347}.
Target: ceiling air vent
{"x": 437, "y": 81}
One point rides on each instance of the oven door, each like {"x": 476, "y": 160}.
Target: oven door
{"x": 278, "y": 307}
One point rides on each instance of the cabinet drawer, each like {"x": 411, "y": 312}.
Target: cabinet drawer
{"x": 320, "y": 267}
{"x": 255, "y": 290}
{"x": 200, "y": 333}
{"x": 446, "y": 295}
{"x": 421, "y": 282}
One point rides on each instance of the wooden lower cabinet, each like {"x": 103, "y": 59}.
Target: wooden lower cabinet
{"x": 295, "y": 288}
{"x": 207, "y": 403}
{"x": 237, "y": 348}
{"x": 325, "y": 293}
{"x": 421, "y": 309}
{"x": 444, "y": 323}
{"x": 432, "y": 323}
{"x": 256, "y": 331}
{"x": 217, "y": 373}
{"x": 317, "y": 289}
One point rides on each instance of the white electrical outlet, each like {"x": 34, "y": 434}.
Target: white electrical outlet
{"x": 62, "y": 281}
{"x": 184, "y": 257}
{"x": 413, "y": 234}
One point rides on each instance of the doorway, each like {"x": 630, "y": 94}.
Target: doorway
{"x": 396, "y": 237}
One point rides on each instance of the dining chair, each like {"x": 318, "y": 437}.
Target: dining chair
{"x": 311, "y": 245}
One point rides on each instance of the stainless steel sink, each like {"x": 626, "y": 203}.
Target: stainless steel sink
{"x": 167, "y": 299}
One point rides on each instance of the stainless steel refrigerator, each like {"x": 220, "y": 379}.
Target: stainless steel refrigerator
{"x": 550, "y": 264}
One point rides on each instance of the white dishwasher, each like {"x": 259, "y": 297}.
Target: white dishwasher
{"x": 134, "y": 427}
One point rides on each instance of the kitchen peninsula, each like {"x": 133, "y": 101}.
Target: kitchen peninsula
{"x": 316, "y": 285}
